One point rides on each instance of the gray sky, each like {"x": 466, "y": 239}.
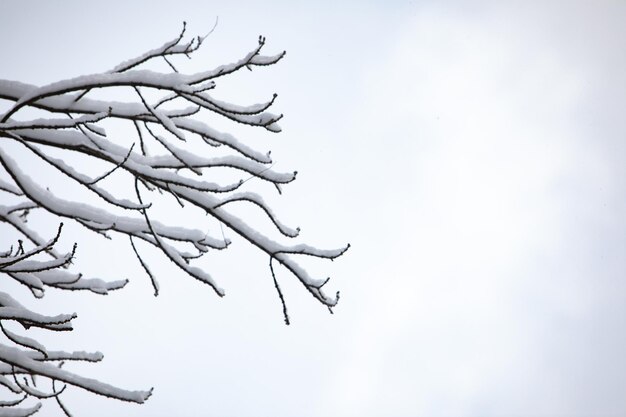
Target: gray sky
{"x": 472, "y": 153}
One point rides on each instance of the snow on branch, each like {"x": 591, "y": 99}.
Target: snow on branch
{"x": 77, "y": 125}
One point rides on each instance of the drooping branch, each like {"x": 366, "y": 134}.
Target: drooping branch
{"x": 20, "y": 359}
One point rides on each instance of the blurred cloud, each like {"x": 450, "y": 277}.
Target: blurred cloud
{"x": 503, "y": 240}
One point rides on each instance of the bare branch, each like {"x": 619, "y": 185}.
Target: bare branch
{"x": 103, "y": 176}
{"x": 280, "y": 293}
{"x": 155, "y": 283}
{"x": 58, "y": 398}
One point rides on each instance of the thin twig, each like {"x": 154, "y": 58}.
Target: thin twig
{"x": 155, "y": 283}
{"x": 280, "y": 293}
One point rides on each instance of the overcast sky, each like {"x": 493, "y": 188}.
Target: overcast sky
{"x": 473, "y": 154}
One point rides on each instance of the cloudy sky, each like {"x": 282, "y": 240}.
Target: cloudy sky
{"x": 473, "y": 154}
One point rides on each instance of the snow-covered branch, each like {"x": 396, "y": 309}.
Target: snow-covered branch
{"x": 172, "y": 122}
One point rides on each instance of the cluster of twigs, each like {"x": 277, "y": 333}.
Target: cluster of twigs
{"x": 75, "y": 124}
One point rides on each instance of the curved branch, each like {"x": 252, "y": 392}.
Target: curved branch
{"x": 21, "y": 412}
{"x": 257, "y": 200}
{"x": 15, "y": 357}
